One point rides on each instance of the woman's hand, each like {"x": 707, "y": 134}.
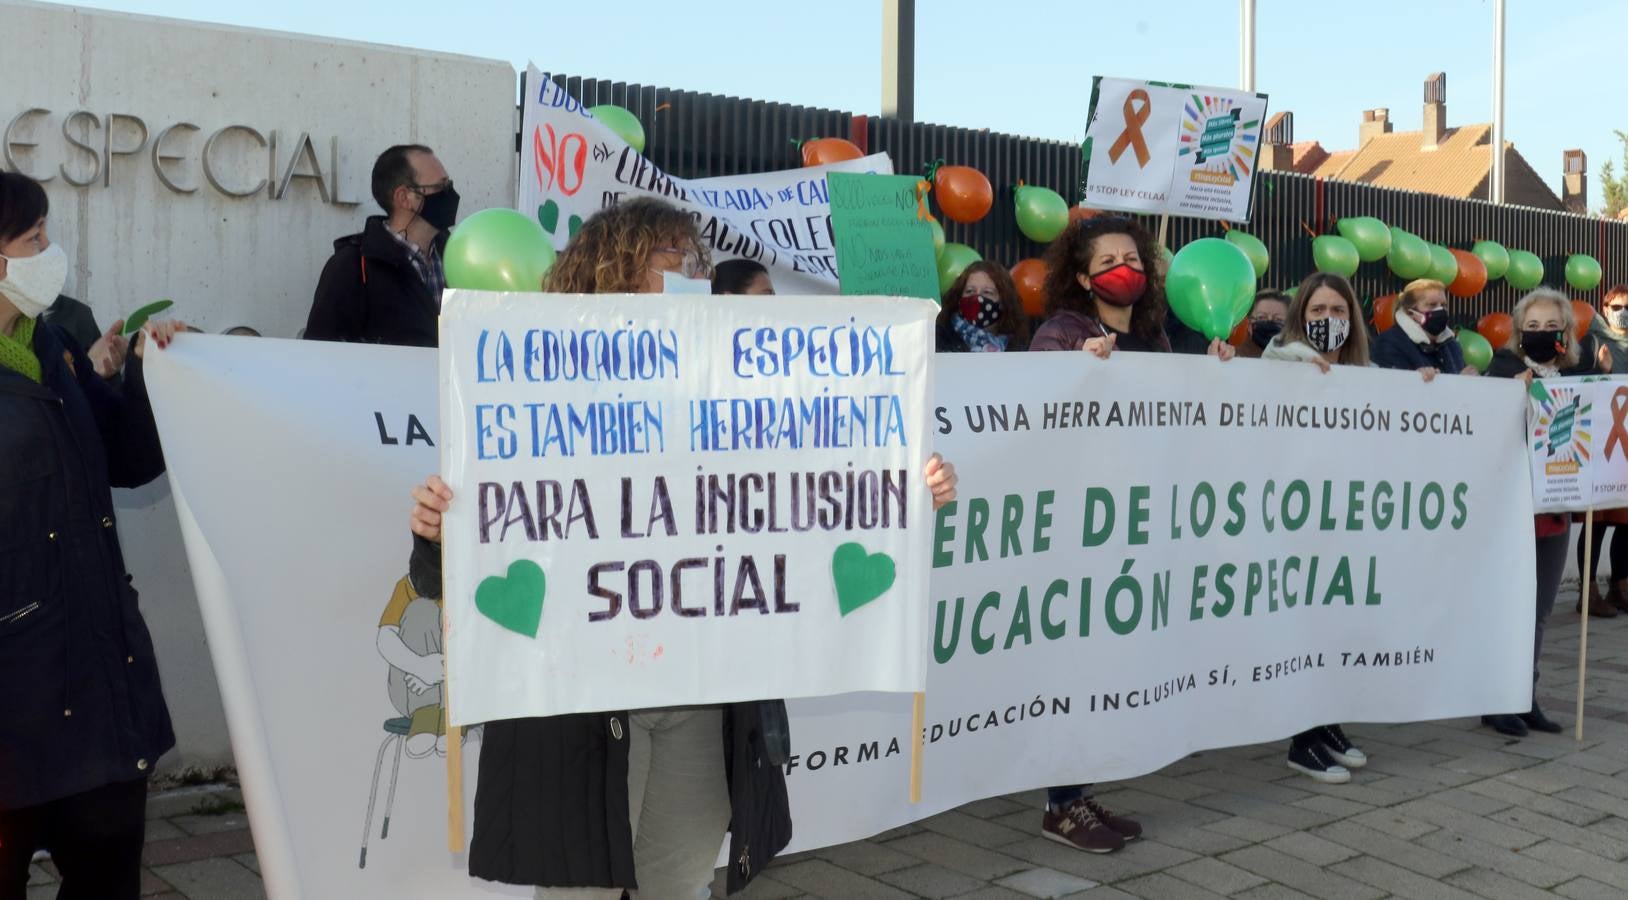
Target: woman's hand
{"x": 161, "y": 330}
{"x": 1603, "y": 360}
{"x": 1525, "y": 378}
{"x": 1222, "y": 350}
{"x": 1101, "y": 347}
{"x": 1470, "y": 370}
{"x": 1322, "y": 365}
{"x": 1429, "y": 374}
{"x": 941, "y": 480}
{"x": 433, "y": 497}
{"x": 107, "y": 354}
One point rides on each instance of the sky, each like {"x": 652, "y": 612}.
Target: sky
{"x": 1024, "y": 66}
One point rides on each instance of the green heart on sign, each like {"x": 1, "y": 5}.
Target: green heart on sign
{"x": 860, "y": 577}
{"x": 574, "y": 225}
{"x": 515, "y": 602}
{"x": 548, "y": 216}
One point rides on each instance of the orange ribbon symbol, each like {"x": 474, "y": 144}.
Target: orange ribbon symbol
{"x": 1619, "y": 416}
{"x": 1135, "y": 118}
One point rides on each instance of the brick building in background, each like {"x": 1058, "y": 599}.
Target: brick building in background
{"x": 1451, "y": 162}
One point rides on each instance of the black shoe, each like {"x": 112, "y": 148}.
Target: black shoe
{"x": 1537, "y": 721}
{"x": 1510, "y": 725}
{"x": 1340, "y": 747}
{"x": 1314, "y": 760}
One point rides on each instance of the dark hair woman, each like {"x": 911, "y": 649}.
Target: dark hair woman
{"x": 553, "y": 803}
{"x": 982, "y": 312}
{"x": 741, "y": 276}
{"x": 85, "y": 718}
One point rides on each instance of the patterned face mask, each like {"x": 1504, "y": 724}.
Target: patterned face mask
{"x": 1328, "y": 335}
{"x": 980, "y": 310}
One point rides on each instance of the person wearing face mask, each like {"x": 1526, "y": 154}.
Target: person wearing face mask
{"x": 1543, "y": 342}
{"x": 1266, "y": 316}
{"x": 1609, "y": 331}
{"x": 84, "y": 718}
{"x": 586, "y": 806}
{"x": 383, "y": 285}
{"x": 1421, "y": 339}
{"x": 982, "y": 312}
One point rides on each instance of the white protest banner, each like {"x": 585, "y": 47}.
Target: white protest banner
{"x": 301, "y": 596}
{"x": 572, "y": 165}
{"x": 674, "y": 501}
{"x": 1175, "y": 149}
{"x": 1577, "y": 443}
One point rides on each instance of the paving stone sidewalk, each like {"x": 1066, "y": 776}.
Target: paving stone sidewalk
{"x": 1444, "y": 811}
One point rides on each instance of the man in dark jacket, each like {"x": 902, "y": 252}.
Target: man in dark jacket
{"x": 383, "y": 285}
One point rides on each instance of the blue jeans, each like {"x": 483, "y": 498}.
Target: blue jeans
{"x": 1059, "y": 797}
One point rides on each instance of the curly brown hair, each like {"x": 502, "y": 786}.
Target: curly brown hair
{"x": 1069, "y": 256}
{"x": 612, "y": 251}
{"x": 1013, "y": 322}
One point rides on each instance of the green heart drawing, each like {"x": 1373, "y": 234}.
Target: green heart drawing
{"x": 574, "y": 226}
{"x": 860, "y": 577}
{"x": 548, "y": 216}
{"x": 515, "y": 602}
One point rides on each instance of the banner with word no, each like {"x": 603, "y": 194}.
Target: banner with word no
{"x": 1174, "y": 149}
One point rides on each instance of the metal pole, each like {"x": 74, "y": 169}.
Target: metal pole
{"x": 1497, "y": 181}
{"x": 1246, "y": 45}
{"x": 899, "y": 59}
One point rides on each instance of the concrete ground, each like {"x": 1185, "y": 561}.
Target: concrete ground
{"x": 1444, "y": 810}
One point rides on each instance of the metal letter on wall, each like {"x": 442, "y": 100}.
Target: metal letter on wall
{"x": 10, "y": 142}
{"x": 83, "y": 145}
{"x": 208, "y": 161}
{"x": 303, "y": 149}
{"x": 160, "y": 157}
{"x": 109, "y": 151}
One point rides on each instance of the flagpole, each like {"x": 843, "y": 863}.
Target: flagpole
{"x": 1246, "y": 45}
{"x": 1496, "y": 183}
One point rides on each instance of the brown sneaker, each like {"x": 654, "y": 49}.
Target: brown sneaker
{"x": 1598, "y": 606}
{"x": 1617, "y": 594}
{"x": 1077, "y": 826}
{"x": 1128, "y": 829}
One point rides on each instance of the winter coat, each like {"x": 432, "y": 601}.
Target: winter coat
{"x": 551, "y": 804}
{"x": 1406, "y": 345}
{"x": 83, "y": 707}
{"x": 371, "y": 293}
{"x": 1067, "y": 330}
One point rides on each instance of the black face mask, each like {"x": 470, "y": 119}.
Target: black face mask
{"x": 1541, "y": 346}
{"x": 1435, "y": 322}
{"x": 440, "y": 209}
{"x": 1263, "y": 332}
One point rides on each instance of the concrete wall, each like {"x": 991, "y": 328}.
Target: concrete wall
{"x": 147, "y": 130}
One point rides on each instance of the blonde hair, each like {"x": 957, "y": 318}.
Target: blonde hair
{"x": 1409, "y": 298}
{"x": 1568, "y": 322}
{"x": 1354, "y": 352}
{"x": 612, "y": 251}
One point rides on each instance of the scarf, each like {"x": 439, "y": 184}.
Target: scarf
{"x": 978, "y": 340}
{"x": 17, "y": 350}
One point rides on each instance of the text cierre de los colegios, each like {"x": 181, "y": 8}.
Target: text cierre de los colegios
{"x": 1129, "y": 603}
{"x": 642, "y": 355}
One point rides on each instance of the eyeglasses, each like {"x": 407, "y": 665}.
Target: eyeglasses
{"x": 1617, "y": 307}
{"x": 690, "y": 264}
{"x": 438, "y": 187}
{"x": 1278, "y": 319}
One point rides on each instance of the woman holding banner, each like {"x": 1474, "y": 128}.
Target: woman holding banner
{"x": 982, "y": 312}
{"x": 1544, "y": 341}
{"x": 1267, "y": 314}
{"x": 584, "y": 806}
{"x": 1421, "y": 339}
{"x": 84, "y": 719}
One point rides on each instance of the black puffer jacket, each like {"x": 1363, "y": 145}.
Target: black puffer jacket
{"x": 82, "y": 706}
{"x": 370, "y": 293}
{"x": 551, "y": 804}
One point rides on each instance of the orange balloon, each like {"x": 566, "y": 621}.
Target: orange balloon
{"x": 1472, "y": 274}
{"x": 825, "y": 151}
{"x": 1498, "y": 328}
{"x": 1030, "y": 275}
{"x": 1079, "y": 213}
{"x": 963, "y": 193}
{"x": 1585, "y": 316}
{"x": 1240, "y": 333}
{"x": 1384, "y": 312}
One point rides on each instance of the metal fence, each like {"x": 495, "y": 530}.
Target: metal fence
{"x": 696, "y": 135}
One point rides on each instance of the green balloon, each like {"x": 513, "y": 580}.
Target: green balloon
{"x": 1335, "y": 254}
{"x": 951, "y": 263}
{"x": 1409, "y": 257}
{"x": 1583, "y": 272}
{"x": 498, "y": 250}
{"x": 1494, "y": 257}
{"x": 1443, "y": 267}
{"x": 1525, "y": 270}
{"x": 1042, "y": 213}
{"x": 1253, "y": 248}
{"x": 938, "y": 238}
{"x": 1477, "y": 351}
{"x": 1369, "y": 235}
{"x": 1210, "y": 286}
{"x": 625, "y": 124}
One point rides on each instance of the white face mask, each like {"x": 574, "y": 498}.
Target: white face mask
{"x": 32, "y": 283}
{"x": 1619, "y": 319}
{"x": 676, "y": 283}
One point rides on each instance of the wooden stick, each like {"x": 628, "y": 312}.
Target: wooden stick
{"x": 1588, "y": 582}
{"x": 1164, "y": 228}
{"x": 918, "y": 714}
{"x": 455, "y": 754}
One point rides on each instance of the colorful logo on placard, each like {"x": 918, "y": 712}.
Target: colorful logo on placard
{"x": 1561, "y": 435}
{"x": 1222, "y": 147}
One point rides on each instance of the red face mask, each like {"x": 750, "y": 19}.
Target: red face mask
{"x": 1120, "y": 285}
